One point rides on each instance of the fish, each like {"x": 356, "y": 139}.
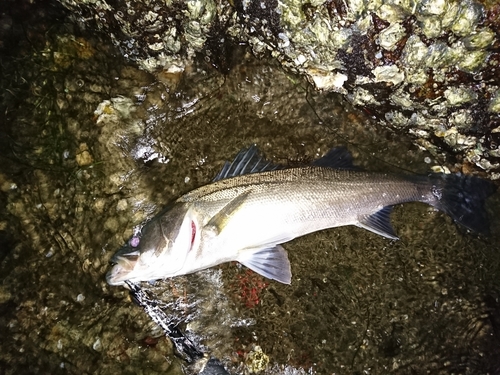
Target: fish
{"x": 253, "y": 206}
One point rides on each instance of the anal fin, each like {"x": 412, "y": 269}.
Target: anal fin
{"x": 271, "y": 262}
{"x": 379, "y": 223}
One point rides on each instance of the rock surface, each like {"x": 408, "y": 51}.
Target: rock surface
{"x": 91, "y": 147}
{"x": 425, "y": 68}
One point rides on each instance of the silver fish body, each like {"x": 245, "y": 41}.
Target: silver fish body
{"x": 245, "y": 218}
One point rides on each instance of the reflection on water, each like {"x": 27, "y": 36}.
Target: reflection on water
{"x": 92, "y": 147}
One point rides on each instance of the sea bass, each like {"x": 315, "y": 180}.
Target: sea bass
{"x": 253, "y": 206}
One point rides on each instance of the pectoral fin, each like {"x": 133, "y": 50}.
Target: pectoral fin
{"x": 379, "y": 223}
{"x": 221, "y": 218}
{"x": 270, "y": 262}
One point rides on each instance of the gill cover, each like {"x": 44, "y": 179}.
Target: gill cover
{"x": 168, "y": 241}
{"x": 159, "y": 250}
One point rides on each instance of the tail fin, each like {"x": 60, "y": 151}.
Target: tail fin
{"x": 462, "y": 197}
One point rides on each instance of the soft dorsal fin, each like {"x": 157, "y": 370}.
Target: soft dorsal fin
{"x": 336, "y": 158}
{"x": 248, "y": 160}
{"x": 379, "y": 223}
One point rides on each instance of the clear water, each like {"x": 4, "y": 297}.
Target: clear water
{"x": 92, "y": 147}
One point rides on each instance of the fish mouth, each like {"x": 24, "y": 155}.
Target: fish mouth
{"x": 122, "y": 269}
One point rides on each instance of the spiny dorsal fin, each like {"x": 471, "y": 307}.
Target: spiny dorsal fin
{"x": 248, "y": 160}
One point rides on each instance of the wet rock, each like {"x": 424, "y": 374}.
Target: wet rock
{"x": 256, "y": 360}
{"x": 83, "y": 156}
{"x": 5, "y": 295}
{"x": 357, "y": 303}
{"x": 416, "y": 66}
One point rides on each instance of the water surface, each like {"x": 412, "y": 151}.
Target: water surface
{"x": 92, "y": 147}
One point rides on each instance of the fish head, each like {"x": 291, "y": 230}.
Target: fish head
{"x": 159, "y": 250}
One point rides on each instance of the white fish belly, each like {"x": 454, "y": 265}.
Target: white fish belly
{"x": 259, "y": 224}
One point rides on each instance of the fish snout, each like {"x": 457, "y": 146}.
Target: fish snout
{"x": 121, "y": 270}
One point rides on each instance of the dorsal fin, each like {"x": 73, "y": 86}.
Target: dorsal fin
{"x": 248, "y": 160}
{"x": 336, "y": 158}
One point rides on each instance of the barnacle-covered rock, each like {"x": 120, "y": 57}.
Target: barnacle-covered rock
{"x": 158, "y": 34}
{"x": 421, "y": 67}
{"x": 428, "y": 68}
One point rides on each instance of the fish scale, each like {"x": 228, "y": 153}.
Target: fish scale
{"x": 254, "y": 206}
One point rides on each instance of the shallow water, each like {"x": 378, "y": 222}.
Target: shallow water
{"x": 92, "y": 147}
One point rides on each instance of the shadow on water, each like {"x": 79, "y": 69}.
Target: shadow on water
{"x": 93, "y": 147}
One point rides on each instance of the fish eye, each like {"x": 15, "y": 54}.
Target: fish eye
{"x": 134, "y": 241}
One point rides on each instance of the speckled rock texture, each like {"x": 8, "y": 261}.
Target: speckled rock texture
{"x": 91, "y": 147}
{"x": 427, "y": 68}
